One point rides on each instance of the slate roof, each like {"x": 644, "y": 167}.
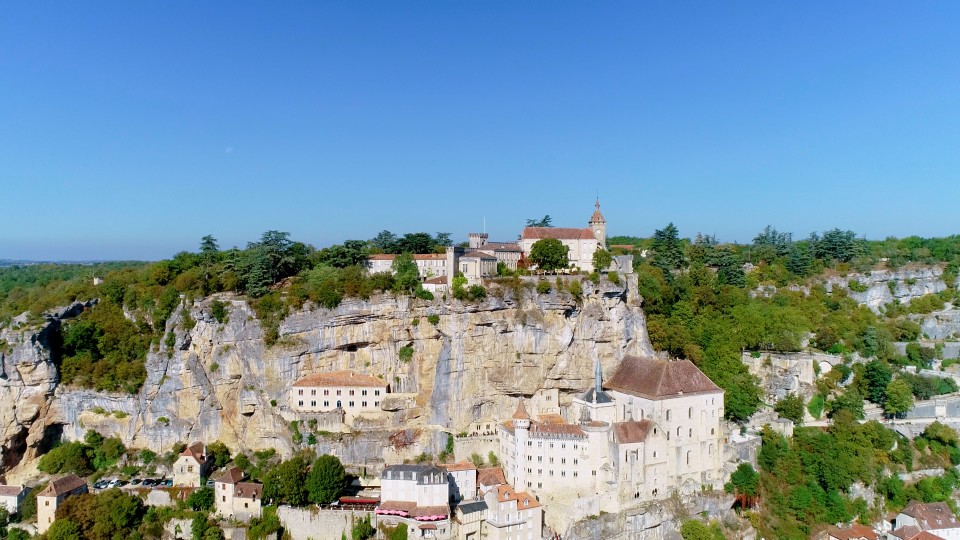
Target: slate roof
{"x": 63, "y": 486}
{"x": 416, "y": 257}
{"x": 931, "y": 516}
{"x": 423, "y": 474}
{"x": 471, "y": 507}
{"x": 560, "y": 233}
{"x": 500, "y": 246}
{"x": 652, "y": 378}
{"x": 11, "y": 491}
{"x": 602, "y": 397}
{"x": 230, "y": 476}
{"x": 632, "y": 432}
{"x": 476, "y": 254}
{"x": 340, "y": 378}
{"x": 545, "y": 430}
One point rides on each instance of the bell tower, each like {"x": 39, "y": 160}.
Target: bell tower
{"x": 599, "y": 226}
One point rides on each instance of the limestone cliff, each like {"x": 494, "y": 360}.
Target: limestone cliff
{"x": 885, "y": 286}
{"x": 219, "y": 381}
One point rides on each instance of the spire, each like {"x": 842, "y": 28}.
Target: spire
{"x": 521, "y": 413}
{"x": 597, "y": 217}
{"x": 598, "y": 378}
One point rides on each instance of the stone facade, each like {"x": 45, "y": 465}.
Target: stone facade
{"x": 235, "y": 498}
{"x": 428, "y": 264}
{"x": 353, "y": 393}
{"x": 191, "y": 466}
{"x": 417, "y": 495}
{"x": 55, "y": 493}
{"x": 581, "y": 244}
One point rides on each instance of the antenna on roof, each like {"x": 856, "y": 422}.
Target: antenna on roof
{"x": 484, "y": 224}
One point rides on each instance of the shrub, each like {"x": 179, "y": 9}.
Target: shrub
{"x": 543, "y": 287}
{"x": 214, "y": 367}
{"x": 405, "y": 353}
{"x": 433, "y": 319}
{"x": 219, "y": 311}
{"x": 816, "y": 405}
{"x": 791, "y": 408}
{"x": 857, "y": 286}
{"x": 576, "y": 289}
{"x": 613, "y": 277}
{"x": 415, "y": 322}
{"x": 424, "y": 294}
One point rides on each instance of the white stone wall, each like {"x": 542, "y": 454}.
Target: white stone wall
{"x": 352, "y": 399}
{"x": 316, "y": 524}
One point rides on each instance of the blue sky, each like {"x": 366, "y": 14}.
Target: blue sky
{"x": 131, "y": 129}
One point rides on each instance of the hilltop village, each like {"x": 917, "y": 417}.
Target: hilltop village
{"x": 525, "y": 389}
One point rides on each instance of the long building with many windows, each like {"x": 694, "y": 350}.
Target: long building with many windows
{"x": 345, "y": 390}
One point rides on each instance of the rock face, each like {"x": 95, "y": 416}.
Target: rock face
{"x": 219, "y": 380}
{"x": 885, "y": 286}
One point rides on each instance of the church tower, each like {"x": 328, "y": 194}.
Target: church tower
{"x": 599, "y": 226}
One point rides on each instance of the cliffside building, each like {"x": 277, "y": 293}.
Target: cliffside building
{"x": 652, "y": 429}
{"x": 235, "y": 498}
{"x": 428, "y": 264}
{"x": 931, "y": 518}
{"x": 581, "y": 243}
{"x": 11, "y": 497}
{"x": 417, "y": 495}
{"x": 53, "y": 495}
{"x": 350, "y": 392}
{"x": 192, "y": 465}
{"x": 512, "y": 515}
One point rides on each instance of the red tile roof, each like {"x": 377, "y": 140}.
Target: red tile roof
{"x": 416, "y": 257}
{"x": 931, "y": 516}
{"x": 340, "y": 378}
{"x": 439, "y": 280}
{"x": 521, "y": 413}
{"x": 462, "y": 466}
{"x": 230, "y": 476}
{"x": 560, "y": 233}
{"x": 538, "y": 429}
{"x": 478, "y": 255}
{"x": 854, "y": 532}
{"x": 632, "y": 432}
{"x": 63, "y": 486}
{"x": 196, "y": 451}
{"x": 506, "y": 493}
{"x": 653, "y": 378}
{"x": 597, "y": 216}
{"x": 491, "y": 476}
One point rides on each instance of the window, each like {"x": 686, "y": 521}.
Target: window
{"x": 668, "y": 415}
{"x": 376, "y": 403}
{"x": 190, "y": 468}
{"x": 551, "y": 460}
{"x": 46, "y": 503}
{"x": 351, "y": 392}
{"x": 326, "y": 403}
{"x": 224, "y": 498}
{"x": 299, "y": 392}
{"x": 363, "y": 392}
{"x": 654, "y": 453}
{"x": 376, "y": 392}
{"x": 678, "y": 430}
{"x": 564, "y": 445}
{"x": 246, "y": 505}
{"x": 364, "y": 404}
{"x": 594, "y": 473}
{"x": 300, "y": 403}
{"x": 551, "y": 445}
{"x": 574, "y": 474}
{"x": 540, "y": 472}
{"x": 539, "y": 444}
{"x": 551, "y": 472}
{"x": 313, "y": 403}
{"x": 575, "y": 461}
{"x": 326, "y": 392}
{"x": 690, "y": 413}
{"x": 351, "y": 404}
{"x": 338, "y": 392}
{"x": 688, "y": 456}
{"x": 529, "y": 458}
{"x": 540, "y": 459}
{"x": 563, "y": 461}
{"x": 529, "y": 443}
{"x": 690, "y": 433}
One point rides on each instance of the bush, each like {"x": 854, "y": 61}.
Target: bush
{"x": 433, "y": 319}
{"x": 613, "y": 277}
{"x": 791, "y": 408}
{"x": 576, "y": 289}
{"x": 816, "y": 405}
{"x": 543, "y": 287}
{"x": 201, "y": 499}
{"x": 424, "y": 294}
{"x": 405, "y": 353}
{"x": 856, "y": 286}
{"x": 219, "y": 311}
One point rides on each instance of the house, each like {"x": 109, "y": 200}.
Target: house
{"x": 512, "y": 515}
{"x": 476, "y": 266}
{"x": 192, "y": 466}
{"x": 853, "y": 532}
{"x": 470, "y": 519}
{"x": 11, "y": 497}
{"x": 489, "y": 478}
{"x": 935, "y": 518}
{"x": 353, "y": 393}
{"x": 508, "y": 253}
{"x": 581, "y": 243}
{"x": 912, "y": 532}
{"x": 428, "y": 264}
{"x": 235, "y": 498}
{"x": 436, "y": 285}
{"x": 53, "y": 495}
{"x": 653, "y": 428}
{"x": 417, "y": 495}
{"x": 463, "y": 481}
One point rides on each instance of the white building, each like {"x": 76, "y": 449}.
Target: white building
{"x": 428, "y": 264}
{"x": 235, "y": 498}
{"x": 512, "y": 515}
{"x": 581, "y": 243}
{"x": 351, "y": 392}
{"x": 508, "y": 253}
{"x": 652, "y": 429}
{"x": 192, "y": 466}
{"x": 11, "y": 497}
{"x": 476, "y": 266}
{"x": 53, "y": 495}
{"x": 417, "y": 495}
{"x": 917, "y": 518}
{"x": 463, "y": 481}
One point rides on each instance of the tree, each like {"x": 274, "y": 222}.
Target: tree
{"x": 899, "y": 397}
{"x": 876, "y": 378}
{"x": 209, "y": 249}
{"x": 385, "y": 242}
{"x": 545, "y": 221}
{"x": 602, "y": 260}
{"x": 201, "y": 499}
{"x": 71, "y": 457}
{"x": 791, "y": 408}
{"x": 350, "y": 253}
{"x": 549, "y": 254}
{"x": 692, "y": 529}
{"x": 405, "y": 273}
{"x": 219, "y": 453}
{"x": 729, "y": 267}
{"x": 362, "y": 529}
{"x": 744, "y": 480}
{"x": 326, "y": 480}
{"x": 63, "y": 529}
{"x": 493, "y": 459}
{"x": 667, "y": 249}
{"x": 286, "y": 483}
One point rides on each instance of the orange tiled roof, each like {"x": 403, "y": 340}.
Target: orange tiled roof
{"x": 854, "y": 532}
{"x": 462, "y": 466}
{"x": 506, "y": 493}
{"x": 491, "y": 476}
{"x": 340, "y": 378}
{"x": 230, "y": 476}
{"x": 416, "y": 257}
{"x": 196, "y": 451}
{"x": 632, "y": 432}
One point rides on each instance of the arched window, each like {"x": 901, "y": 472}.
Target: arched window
{"x": 688, "y": 456}
{"x": 691, "y": 433}
{"x": 678, "y": 430}
{"x": 690, "y": 413}
{"x": 668, "y": 415}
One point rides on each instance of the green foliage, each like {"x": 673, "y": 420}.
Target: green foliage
{"x": 405, "y": 273}
{"x": 926, "y": 304}
{"x": 692, "y": 529}
{"x": 105, "y": 516}
{"x": 219, "y": 453}
{"x": 350, "y": 253}
{"x": 396, "y": 533}
{"x": 745, "y": 480}
{"x": 602, "y": 260}
{"x": 405, "y": 353}
{"x": 493, "y": 459}
{"x": 856, "y": 286}
{"x": 219, "y": 311}
{"x": 815, "y": 407}
{"x": 104, "y": 350}
{"x": 899, "y": 397}
{"x": 543, "y": 287}
{"x": 476, "y": 459}
{"x": 423, "y": 294}
{"x": 545, "y": 221}
{"x": 201, "y": 499}
{"x": 362, "y": 529}
{"x": 549, "y": 254}
{"x": 576, "y": 289}
{"x": 71, "y": 457}
{"x": 64, "y": 529}
{"x": 326, "y": 480}
{"x": 295, "y": 434}
{"x": 791, "y": 408}
{"x": 850, "y": 401}
{"x": 287, "y": 482}
{"x": 266, "y": 525}
{"x": 433, "y": 319}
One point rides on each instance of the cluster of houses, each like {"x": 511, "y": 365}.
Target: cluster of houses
{"x": 479, "y": 259}
{"x": 917, "y": 521}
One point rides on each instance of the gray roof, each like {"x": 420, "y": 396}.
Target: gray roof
{"x": 423, "y": 474}
{"x": 471, "y": 507}
{"x": 602, "y": 397}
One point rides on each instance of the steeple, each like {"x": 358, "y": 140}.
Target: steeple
{"x": 597, "y": 217}
{"x": 521, "y": 420}
{"x": 597, "y": 379}
{"x": 598, "y": 224}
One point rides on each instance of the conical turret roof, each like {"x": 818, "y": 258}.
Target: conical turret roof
{"x": 597, "y": 216}
{"x": 521, "y": 413}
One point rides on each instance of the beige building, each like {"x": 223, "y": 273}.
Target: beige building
{"x": 11, "y": 497}
{"x": 652, "y": 429}
{"x": 853, "y": 532}
{"x": 512, "y": 515}
{"x": 462, "y": 478}
{"x": 476, "y": 266}
{"x": 471, "y": 517}
{"x": 436, "y": 285}
{"x": 428, "y": 264}
{"x": 508, "y": 253}
{"x": 235, "y": 498}
{"x": 350, "y": 392}
{"x": 581, "y": 243}
{"x": 417, "y": 495}
{"x": 192, "y": 466}
{"x": 55, "y": 493}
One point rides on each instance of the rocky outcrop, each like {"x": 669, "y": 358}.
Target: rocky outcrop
{"x": 880, "y": 287}
{"x": 219, "y": 380}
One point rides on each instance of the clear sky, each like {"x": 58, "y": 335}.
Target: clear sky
{"x": 131, "y": 129}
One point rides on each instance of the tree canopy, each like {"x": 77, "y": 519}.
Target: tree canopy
{"x": 549, "y": 254}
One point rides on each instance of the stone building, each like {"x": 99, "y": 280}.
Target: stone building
{"x": 192, "y": 466}
{"x": 428, "y": 264}
{"x": 652, "y": 429}
{"x": 932, "y": 518}
{"x": 417, "y": 495}
{"x": 235, "y": 498}
{"x": 353, "y": 393}
{"x": 512, "y": 515}
{"x": 581, "y": 243}
{"x": 508, "y": 253}
{"x": 53, "y": 495}
{"x": 11, "y": 497}
{"x": 476, "y": 266}
{"x": 463, "y": 481}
